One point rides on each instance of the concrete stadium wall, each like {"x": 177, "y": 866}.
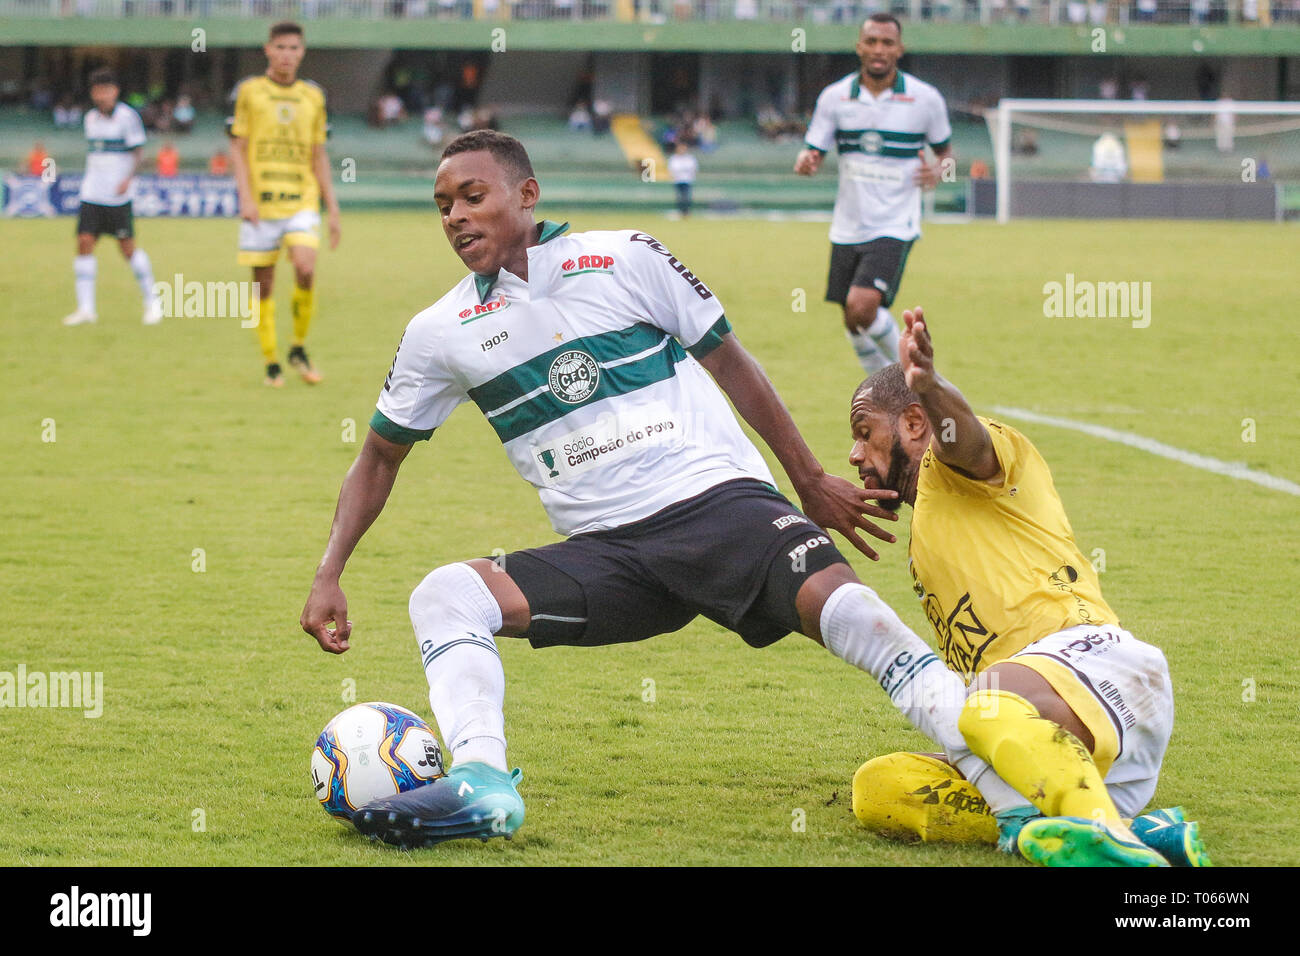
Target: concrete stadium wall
{"x": 531, "y": 81}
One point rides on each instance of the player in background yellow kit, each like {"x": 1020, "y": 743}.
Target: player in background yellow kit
{"x": 1065, "y": 706}
{"x": 282, "y": 171}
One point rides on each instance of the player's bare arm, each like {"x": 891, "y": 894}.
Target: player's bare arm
{"x": 828, "y": 500}
{"x": 239, "y": 161}
{"x": 137, "y": 155}
{"x": 958, "y": 438}
{"x": 324, "y": 178}
{"x": 363, "y": 496}
{"x": 928, "y": 175}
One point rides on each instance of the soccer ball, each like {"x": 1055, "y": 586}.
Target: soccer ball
{"x": 371, "y": 751}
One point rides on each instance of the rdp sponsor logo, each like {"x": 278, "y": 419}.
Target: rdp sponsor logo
{"x": 585, "y": 264}
{"x": 496, "y": 305}
{"x": 75, "y": 908}
{"x": 678, "y": 266}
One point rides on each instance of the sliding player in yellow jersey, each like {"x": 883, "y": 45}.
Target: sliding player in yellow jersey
{"x": 282, "y": 171}
{"x": 1065, "y": 706}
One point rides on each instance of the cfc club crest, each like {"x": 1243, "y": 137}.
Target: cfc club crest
{"x": 574, "y": 376}
{"x": 871, "y": 142}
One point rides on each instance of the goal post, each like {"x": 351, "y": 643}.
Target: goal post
{"x": 1232, "y": 158}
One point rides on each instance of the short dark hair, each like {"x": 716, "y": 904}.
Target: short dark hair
{"x": 882, "y": 18}
{"x": 103, "y": 77}
{"x": 889, "y": 391}
{"x": 505, "y": 149}
{"x": 283, "y": 28}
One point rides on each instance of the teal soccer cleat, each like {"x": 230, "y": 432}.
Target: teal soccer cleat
{"x": 473, "y": 801}
{"x": 1173, "y": 836}
{"x": 1074, "y": 841}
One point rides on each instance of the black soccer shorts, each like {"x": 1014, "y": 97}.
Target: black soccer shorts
{"x": 96, "y": 220}
{"x": 738, "y": 554}
{"x": 877, "y": 264}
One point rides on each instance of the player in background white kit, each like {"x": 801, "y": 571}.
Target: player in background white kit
{"x": 880, "y": 121}
{"x": 114, "y": 139}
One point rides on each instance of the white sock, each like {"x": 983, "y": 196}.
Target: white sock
{"x": 884, "y": 332}
{"x": 83, "y": 267}
{"x": 143, "y": 270}
{"x": 455, "y": 616}
{"x": 860, "y": 628}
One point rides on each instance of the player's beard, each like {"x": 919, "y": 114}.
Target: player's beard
{"x": 900, "y": 474}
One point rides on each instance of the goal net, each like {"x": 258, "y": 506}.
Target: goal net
{"x": 1145, "y": 159}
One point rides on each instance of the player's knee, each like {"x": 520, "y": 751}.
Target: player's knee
{"x": 860, "y": 307}
{"x": 304, "y": 278}
{"x": 436, "y": 594}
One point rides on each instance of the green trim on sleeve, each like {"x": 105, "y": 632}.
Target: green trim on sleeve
{"x": 942, "y": 145}
{"x": 385, "y": 427}
{"x": 808, "y": 145}
{"x": 711, "y": 339}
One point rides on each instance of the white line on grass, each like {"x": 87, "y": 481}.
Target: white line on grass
{"x": 1231, "y": 469}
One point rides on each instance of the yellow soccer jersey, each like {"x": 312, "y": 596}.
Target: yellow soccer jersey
{"x": 994, "y": 563}
{"x": 282, "y": 125}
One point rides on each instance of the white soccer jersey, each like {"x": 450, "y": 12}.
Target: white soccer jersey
{"x": 879, "y": 143}
{"x": 588, "y": 374}
{"x": 109, "y": 160}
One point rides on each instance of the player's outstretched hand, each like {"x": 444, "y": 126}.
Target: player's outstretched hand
{"x": 248, "y": 211}
{"x": 916, "y": 351}
{"x": 327, "y": 605}
{"x": 927, "y": 175}
{"x": 839, "y": 505}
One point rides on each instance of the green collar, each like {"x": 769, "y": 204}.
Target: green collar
{"x": 546, "y": 231}
{"x": 855, "y": 88}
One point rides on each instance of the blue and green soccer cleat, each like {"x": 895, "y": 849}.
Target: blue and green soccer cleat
{"x": 1074, "y": 841}
{"x": 1175, "y": 837}
{"x": 472, "y": 801}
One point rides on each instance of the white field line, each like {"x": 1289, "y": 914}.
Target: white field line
{"x": 1204, "y": 462}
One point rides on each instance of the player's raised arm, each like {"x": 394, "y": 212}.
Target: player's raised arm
{"x": 363, "y": 496}
{"x": 828, "y": 500}
{"x": 959, "y": 439}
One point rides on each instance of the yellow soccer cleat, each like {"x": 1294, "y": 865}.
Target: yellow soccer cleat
{"x": 1074, "y": 841}
{"x": 914, "y": 796}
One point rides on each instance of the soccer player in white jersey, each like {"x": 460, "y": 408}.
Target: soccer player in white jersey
{"x": 604, "y": 366}
{"x": 880, "y": 120}
{"x": 115, "y": 137}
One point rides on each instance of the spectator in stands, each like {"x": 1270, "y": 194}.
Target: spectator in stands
{"x": 580, "y": 118}
{"x": 183, "y": 113}
{"x": 705, "y": 134}
{"x": 219, "y": 164}
{"x": 683, "y": 168}
{"x": 391, "y": 110}
{"x": 169, "y": 160}
{"x": 1171, "y": 135}
{"x": 1138, "y": 89}
{"x": 67, "y": 113}
{"x": 1109, "y": 161}
{"x": 602, "y": 114}
{"x": 1146, "y": 10}
{"x": 1108, "y": 89}
{"x": 433, "y": 126}
{"x": 35, "y": 165}
{"x": 979, "y": 169}
{"x": 1024, "y": 142}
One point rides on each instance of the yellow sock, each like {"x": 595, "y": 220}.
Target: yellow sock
{"x": 266, "y": 328}
{"x": 1043, "y": 761}
{"x": 304, "y": 307}
{"x": 906, "y": 795}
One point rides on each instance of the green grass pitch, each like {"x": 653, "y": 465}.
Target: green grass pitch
{"x": 166, "y": 442}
